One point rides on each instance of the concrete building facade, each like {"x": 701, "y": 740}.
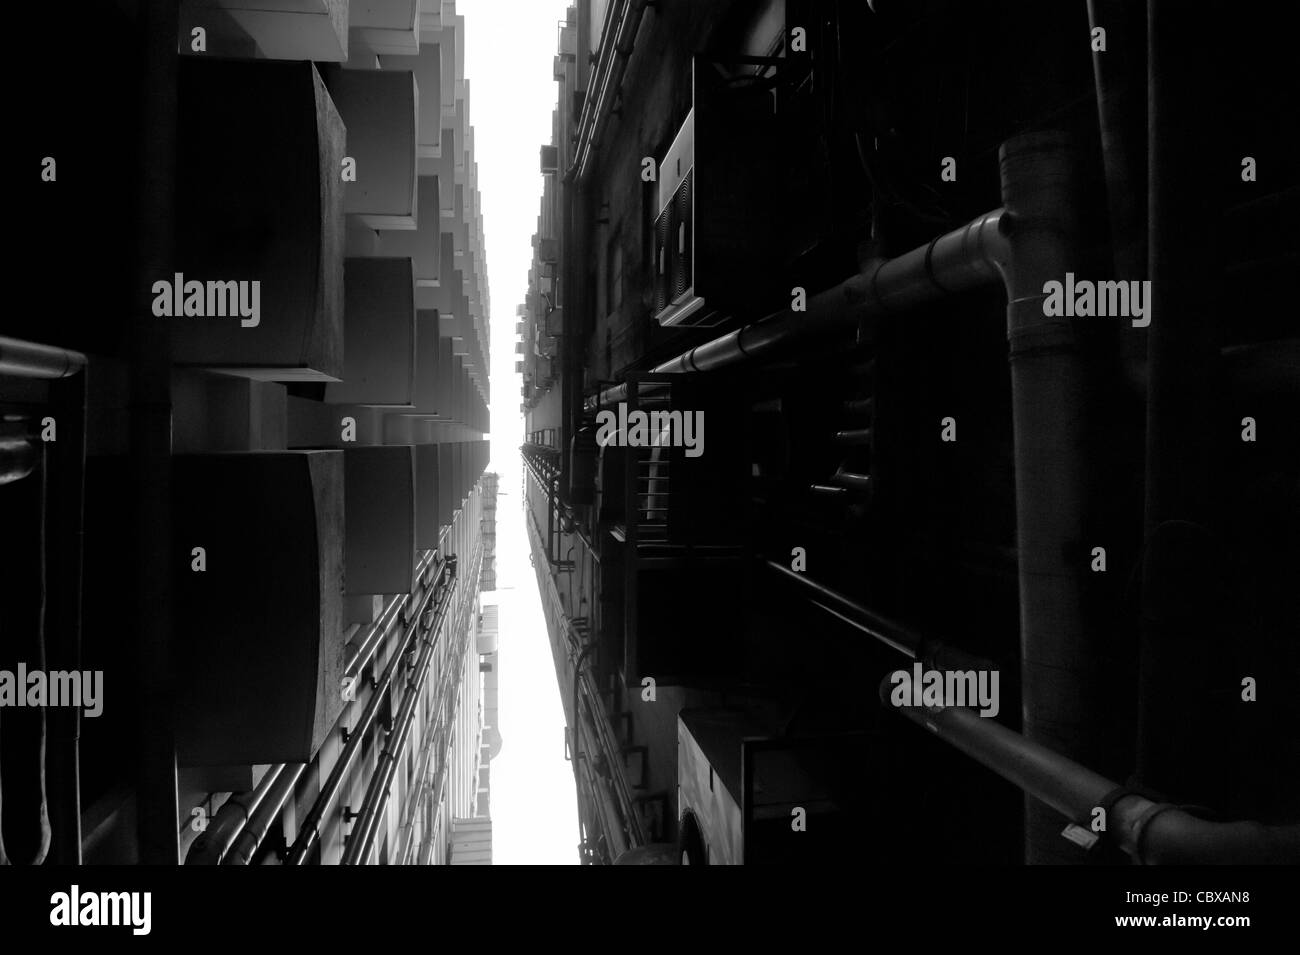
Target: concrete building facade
{"x": 273, "y": 436}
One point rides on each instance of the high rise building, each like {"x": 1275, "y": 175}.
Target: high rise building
{"x": 897, "y": 379}
{"x": 243, "y": 488}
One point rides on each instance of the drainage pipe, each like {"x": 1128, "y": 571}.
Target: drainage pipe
{"x": 379, "y": 788}
{"x": 362, "y": 838}
{"x": 248, "y": 840}
{"x": 417, "y": 799}
{"x": 1151, "y": 833}
{"x": 22, "y": 359}
{"x": 1119, "y": 75}
{"x": 592, "y": 736}
{"x": 233, "y": 837}
{"x": 1063, "y": 681}
{"x": 617, "y": 44}
{"x": 630, "y": 830}
{"x": 24, "y": 629}
{"x": 606, "y": 811}
{"x": 65, "y": 498}
{"x": 309, "y": 833}
{"x": 62, "y": 498}
{"x": 967, "y": 258}
{"x": 888, "y": 632}
{"x": 378, "y": 631}
{"x": 1026, "y": 243}
{"x": 211, "y": 846}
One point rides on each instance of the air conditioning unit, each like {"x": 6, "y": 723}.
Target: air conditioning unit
{"x": 675, "y": 298}
{"x": 749, "y": 794}
{"x": 569, "y": 42}
{"x": 550, "y": 159}
{"x": 555, "y": 321}
{"x": 582, "y": 467}
{"x": 734, "y": 203}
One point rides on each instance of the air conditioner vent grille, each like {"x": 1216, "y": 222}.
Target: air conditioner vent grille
{"x": 684, "y": 220}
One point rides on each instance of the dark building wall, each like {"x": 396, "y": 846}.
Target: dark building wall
{"x": 834, "y": 443}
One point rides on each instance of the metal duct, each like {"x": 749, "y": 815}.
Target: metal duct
{"x": 18, "y": 458}
{"x": 56, "y": 787}
{"x": 1062, "y": 676}
{"x": 211, "y": 846}
{"x": 309, "y": 832}
{"x": 362, "y": 838}
{"x": 247, "y": 841}
{"x": 1151, "y": 833}
{"x": 967, "y": 258}
{"x": 29, "y": 360}
{"x": 1027, "y": 243}
{"x": 618, "y": 40}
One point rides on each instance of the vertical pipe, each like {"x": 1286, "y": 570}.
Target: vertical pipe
{"x": 63, "y": 614}
{"x": 573, "y": 289}
{"x": 1121, "y": 111}
{"x": 1120, "y": 77}
{"x": 551, "y": 492}
{"x": 1060, "y": 672}
{"x": 156, "y": 805}
{"x": 1180, "y": 564}
{"x": 24, "y": 605}
{"x": 42, "y": 746}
